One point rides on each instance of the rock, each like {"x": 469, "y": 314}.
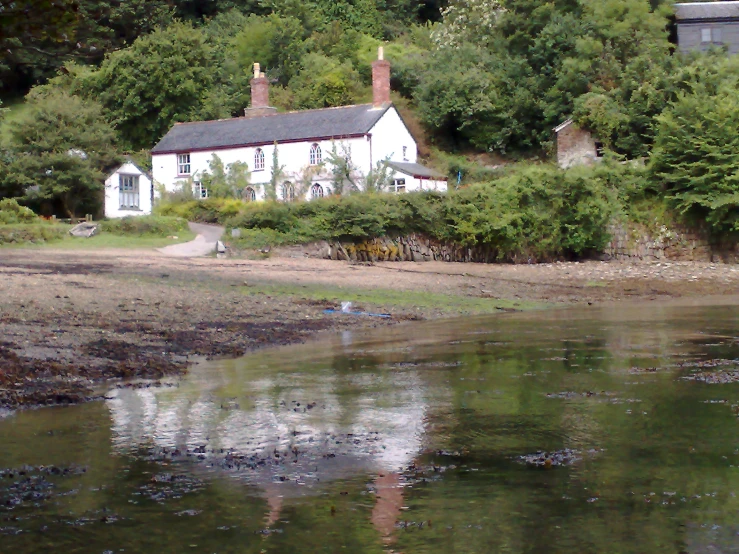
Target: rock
{"x": 84, "y": 230}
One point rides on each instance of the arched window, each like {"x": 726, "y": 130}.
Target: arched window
{"x": 288, "y": 192}
{"x": 316, "y": 191}
{"x": 250, "y": 195}
{"x": 259, "y": 160}
{"x": 315, "y": 154}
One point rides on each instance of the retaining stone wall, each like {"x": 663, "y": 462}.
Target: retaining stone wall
{"x": 627, "y": 244}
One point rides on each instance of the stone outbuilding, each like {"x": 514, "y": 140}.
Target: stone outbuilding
{"x": 705, "y": 25}
{"x": 576, "y": 145}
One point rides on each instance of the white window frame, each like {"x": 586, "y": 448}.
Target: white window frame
{"x": 199, "y": 191}
{"x": 183, "y": 164}
{"x": 129, "y": 192}
{"x": 287, "y": 192}
{"x": 259, "y": 160}
{"x": 399, "y": 185}
{"x": 250, "y": 195}
{"x": 316, "y": 156}
{"x": 316, "y": 191}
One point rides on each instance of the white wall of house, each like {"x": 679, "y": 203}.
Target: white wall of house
{"x": 391, "y": 138}
{"x": 128, "y": 191}
{"x": 388, "y": 139}
{"x": 294, "y": 156}
{"x": 402, "y": 182}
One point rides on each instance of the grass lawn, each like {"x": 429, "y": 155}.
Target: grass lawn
{"x": 369, "y": 299}
{"x": 106, "y": 240}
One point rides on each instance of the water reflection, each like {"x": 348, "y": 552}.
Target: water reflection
{"x": 407, "y": 440}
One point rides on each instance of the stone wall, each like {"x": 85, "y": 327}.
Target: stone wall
{"x": 575, "y": 146}
{"x": 627, "y": 244}
{"x": 667, "y": 243}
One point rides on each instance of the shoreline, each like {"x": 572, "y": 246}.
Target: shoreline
{"x": 72, "y": 319}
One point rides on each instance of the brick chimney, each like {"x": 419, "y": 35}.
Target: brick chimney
{"x": 380, "y": 80}
{"x": 259, "y": 95}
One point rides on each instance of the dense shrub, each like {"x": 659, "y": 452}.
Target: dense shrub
{"x": 211, "y": 210}
{"x": 32, "y": 233}
{"x": 148, "y": 225}
{"x": 538, "y": 212}
{"x": 12, "y": 212}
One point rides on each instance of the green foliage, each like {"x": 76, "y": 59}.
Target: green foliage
{"x": 59, "y": 151}
{"x": 145, "y": 225}
{"x": 210, "y": 210}
{"x": 31, "y": 233}
{"x": 162, "y": 78}
{"x": 696, "y": 155}
{"x": 537, "y": 213}
{"x": 226, "y": 181}
{"x": 324, "y": 82}
{"x": 12, "y": 212}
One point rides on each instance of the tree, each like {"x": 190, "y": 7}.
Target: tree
{"x": 696, "y": 155}
{"x": 277, "y": 173}
{"x": 59, "y": 151}
{"x": 324, "y": 82}
{"x": 163, "y": 78}
{"x": 226, "y": 181}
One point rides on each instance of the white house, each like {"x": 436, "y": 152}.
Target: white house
{"x": 129, "y": 190}
{"x": 366, "y": 134}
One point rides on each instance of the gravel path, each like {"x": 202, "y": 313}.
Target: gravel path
{"x": 202, "y": 245}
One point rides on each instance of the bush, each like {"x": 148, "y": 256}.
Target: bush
{"x": 32, "y": 233}
{"x": 147, "y": 225}
{"x": 538, "y": 212}
{"x": 211, "y": 210}
{"x": 12, "y": 212}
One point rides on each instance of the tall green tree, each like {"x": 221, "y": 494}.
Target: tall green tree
{"x": 59, "y": 152}
{"x": 161, "y": 79}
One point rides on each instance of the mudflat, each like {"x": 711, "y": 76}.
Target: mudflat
{"x": 70, "y": 319}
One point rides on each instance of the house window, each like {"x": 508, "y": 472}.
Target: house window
{"x": 250, "y": 194}
{"x": 315, "y": 154}
{"x": 183, "y": 164}
{"x": 711, "y": 35}
{"x": 259, "y": 160}
{"x": 128, "y": 192}
{"x": 199, "y": 190}
{"x": 399, "y": 185}
{"x": 599, "y": 149}
{"x": 288, "y": 192}
{"x": 405, "y": 153}
{"x": 316, "y": 191}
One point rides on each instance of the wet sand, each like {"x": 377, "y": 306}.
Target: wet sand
{"x": 70, "y": 319}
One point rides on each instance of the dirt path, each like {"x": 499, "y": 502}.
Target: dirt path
{"x": 202, "y": 245}
{"x": 68, "y": 319}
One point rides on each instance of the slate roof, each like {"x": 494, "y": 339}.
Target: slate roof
{"x": 706, "y": 10}
{"x": 325, "y": 123}
{"x": 416, "y": 170}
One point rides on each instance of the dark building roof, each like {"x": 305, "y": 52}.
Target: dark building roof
{"x": 416, "y": 170}
{"x": 281, "y": 127}
{"x": 698, "y": 11}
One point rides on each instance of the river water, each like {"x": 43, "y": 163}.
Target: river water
{"x": 609, "y": 429}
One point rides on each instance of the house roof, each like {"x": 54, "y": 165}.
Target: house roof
{"x": 302, "y": 125}
{"x": 563, "y": 125}
{"x": 417, "y": 170}
{"x": 127, "y": 162}
{"x": 697, "y": 11}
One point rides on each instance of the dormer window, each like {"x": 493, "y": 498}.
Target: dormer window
{"x": 183, "y": 164}
{"x": 259, "y": 160}
{"x": 315, "y": 154}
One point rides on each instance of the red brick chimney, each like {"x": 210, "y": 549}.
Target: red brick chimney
{"x": 259, "y": 95}
{"x": 380, "y": 80}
